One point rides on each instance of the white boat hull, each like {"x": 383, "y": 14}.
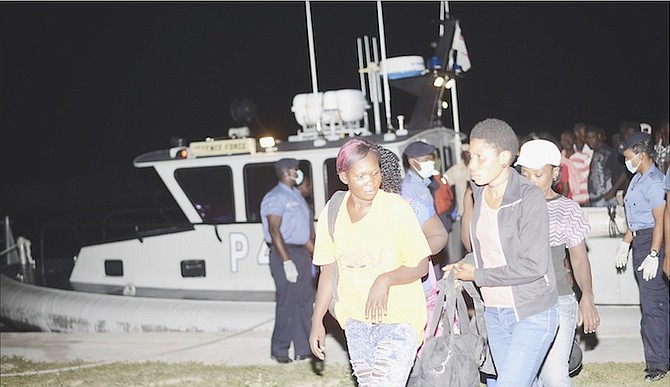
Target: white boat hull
{"x": 236, "y": 266}
{"x": 54, "y": 310}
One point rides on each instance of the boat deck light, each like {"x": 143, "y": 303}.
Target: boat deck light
{"x": 266, "y": 142}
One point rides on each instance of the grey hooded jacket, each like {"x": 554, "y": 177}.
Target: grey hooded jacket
{"x": 523, "y": 223}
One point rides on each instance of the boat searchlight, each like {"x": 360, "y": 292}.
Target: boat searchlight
{"x": 267, "y": 143}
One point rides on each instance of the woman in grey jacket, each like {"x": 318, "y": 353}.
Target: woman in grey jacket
{"x": 511, "y": 259}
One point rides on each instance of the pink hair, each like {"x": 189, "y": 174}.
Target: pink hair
{"x": 354, "y": 151}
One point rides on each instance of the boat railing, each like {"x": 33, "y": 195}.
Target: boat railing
{"x": 152, "y": 219}
{"x": 61, "y": 241}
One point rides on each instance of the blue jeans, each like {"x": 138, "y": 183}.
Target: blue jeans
{"x": 555, "y": 371}
{"x": 519, "y": 347}
{"x": 381, "y": 354}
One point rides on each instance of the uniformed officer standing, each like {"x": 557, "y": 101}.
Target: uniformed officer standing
{"x": 645, "y": 205}
{"x": 421, "y": 164}
{"x": 287, "y": 227}
{"x": 415, "y": 189}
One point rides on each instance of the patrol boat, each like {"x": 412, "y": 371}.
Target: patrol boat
{"x": 183, "y": 276}
{"x": 219, "y": 253}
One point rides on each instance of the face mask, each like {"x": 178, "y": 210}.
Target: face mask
{"x": 426, "y": 169}
{"x": 629, "y": 165}
{"x": 299, "y": 178}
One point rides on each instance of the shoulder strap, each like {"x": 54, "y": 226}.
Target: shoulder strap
{"x": 478, "y": 307}
{"x": 485, "y": 360}
{"x": 333, "y": 208}
{"x": 444, "y": 307}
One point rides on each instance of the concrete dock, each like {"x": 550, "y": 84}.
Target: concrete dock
{"x": 248, "y": 341}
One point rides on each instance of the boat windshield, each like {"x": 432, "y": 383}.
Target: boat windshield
{"x": 212, "y": 194}
{"x": 210, "y": 190}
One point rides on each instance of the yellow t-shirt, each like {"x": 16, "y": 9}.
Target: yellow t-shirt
{"x": 389, "y": 236}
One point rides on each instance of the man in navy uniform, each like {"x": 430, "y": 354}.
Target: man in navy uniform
{"x": 287, "y": 227}
{"x": 645, "y": 207}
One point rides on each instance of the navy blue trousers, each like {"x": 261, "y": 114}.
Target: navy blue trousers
{"x": 655, "y": 305}
{"x": 294, "y": 303}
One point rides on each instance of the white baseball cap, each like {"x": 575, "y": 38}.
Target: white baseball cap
{"x": 536, "y": 153}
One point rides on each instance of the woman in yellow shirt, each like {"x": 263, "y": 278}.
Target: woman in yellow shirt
{"x": 376, "y": 257}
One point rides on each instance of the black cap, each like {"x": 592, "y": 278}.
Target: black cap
{"x": 418, "y": 149}
{"x": 287, "y": 163}
{"x": 633, "y": 140}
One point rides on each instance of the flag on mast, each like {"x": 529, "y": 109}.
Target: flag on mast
{"x": 459, "y": 61}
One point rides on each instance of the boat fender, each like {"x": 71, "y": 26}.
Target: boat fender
{"x": 129, "y": 290}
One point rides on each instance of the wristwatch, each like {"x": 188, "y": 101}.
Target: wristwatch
{"x": 653, "y": 253}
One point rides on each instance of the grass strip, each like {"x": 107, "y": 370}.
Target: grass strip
{"x": 302, "y": 374}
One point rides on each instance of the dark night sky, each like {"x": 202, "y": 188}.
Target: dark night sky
{"x": 86, "y": 87}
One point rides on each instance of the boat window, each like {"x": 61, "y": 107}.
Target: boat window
{"x": 333, "y": 182}
{"x": 448, "y": 159}
{"x": 440, "y": 165}
{"x": 260, "y": 178}
{"x": 210, "y": 191}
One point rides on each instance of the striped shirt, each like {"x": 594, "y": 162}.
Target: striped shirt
{"x": 579, "y": 174}
{"x": 567, "y": 223}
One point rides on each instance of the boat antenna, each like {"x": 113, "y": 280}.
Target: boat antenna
{"x": 387, "y": 90}
{"x": 444, "y": 14}
{"x": 312, "y": 57}
{"x": 361, "y": 76}
{"x": 373, "y": 78}
{"x": 310, "y": 41}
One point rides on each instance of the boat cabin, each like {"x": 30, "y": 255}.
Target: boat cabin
{"x": 219, "y": 185}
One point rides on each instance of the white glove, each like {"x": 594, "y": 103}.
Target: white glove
{"x": 649, "y": 267}
{"x": 621, "y": 257}
{"x": 292, "y": 272}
